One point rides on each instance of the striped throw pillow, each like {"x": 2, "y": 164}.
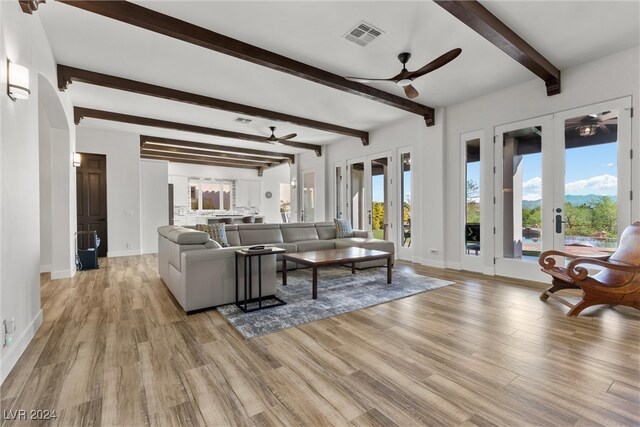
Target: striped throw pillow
{"x": 343, "y": 228}
{"x": 217, "y": 233}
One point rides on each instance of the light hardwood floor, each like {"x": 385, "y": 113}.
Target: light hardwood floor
{"x": 115, "y": 350}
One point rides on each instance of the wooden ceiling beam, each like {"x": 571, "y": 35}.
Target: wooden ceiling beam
{"x": 181, "y": 150}
{"x": 195, "y": 162}
{"x": 80, "y": 112}
{"x": 479, "y": 19}
{"x": 68, "y": 75}
{"x": 147, "y": 139}
{"x": 157, "y": 22}
{"x": 147, "y": 152}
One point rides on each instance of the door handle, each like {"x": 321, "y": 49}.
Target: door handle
{"x": 559, "y": 223}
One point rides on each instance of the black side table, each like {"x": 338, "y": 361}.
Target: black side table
{"x": 248, "y": 255}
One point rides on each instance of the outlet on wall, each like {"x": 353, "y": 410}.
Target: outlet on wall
{"x": 434, "y": 251}
{"x": 128, "y": 245}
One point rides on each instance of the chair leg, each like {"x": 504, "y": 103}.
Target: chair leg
{"x": 579, "y": 307}
{"x": 556, "y": 285}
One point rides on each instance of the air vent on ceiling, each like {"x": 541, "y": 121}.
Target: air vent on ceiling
{"x": 242, "y": 120}
{"x": 363, "y": 33}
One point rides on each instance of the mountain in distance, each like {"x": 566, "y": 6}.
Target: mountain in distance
{"x": 569, "y": 198}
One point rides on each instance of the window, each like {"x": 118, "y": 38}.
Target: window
{"x": 208, "y": 194}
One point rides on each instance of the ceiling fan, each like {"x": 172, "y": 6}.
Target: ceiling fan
{"x": 405, "y": 77}
{"x": 589, "y": 125}
{"x": 273, "y": 139}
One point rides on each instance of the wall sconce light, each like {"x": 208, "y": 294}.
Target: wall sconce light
{"x": 76, "y": 160}
{"x": 293, "y": 183}
{"x": 17, "y": 81}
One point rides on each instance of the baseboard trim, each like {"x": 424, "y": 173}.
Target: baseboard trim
{"x": 151, "y": 251}
{"x": 45, "y": 268}
{"x": 433, "y": 263}
{"x": 489, "y": 272}
{"x": 115, "y": 254}
{"x": 417, "y": 260}
{"x": 20, "y": 345}
{"x": 62, "y": 274}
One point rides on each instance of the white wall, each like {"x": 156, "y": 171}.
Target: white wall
{"x": 271, "y": 180}
{"x": 46, "y": 225}
{"x": 154, "y": 202}
{"x": 608, "y": 78}
{"x": 123, "y": 185}
{"x": 308, "y": 161}
{"x": 23, "y": 41}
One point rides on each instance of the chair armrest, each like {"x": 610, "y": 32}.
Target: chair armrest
{"x": 581, "y": 273}
{"x": 547, "y": 261}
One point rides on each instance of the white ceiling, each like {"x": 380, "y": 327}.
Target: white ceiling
{"x": 567, "y": 33}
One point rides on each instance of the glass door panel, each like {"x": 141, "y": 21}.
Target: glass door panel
{"x": 592, "y": 203}
{"x": 308, "y": 197}
{"x": 472, "y": 197}
{"x": 523, "y": 180}
{"x": 378, "y": 214}
{"x": 357, "y": 206}
{"x": 339, "y": 190}
{"x": 522, "y": 193}
{"x": 405, "y": 191}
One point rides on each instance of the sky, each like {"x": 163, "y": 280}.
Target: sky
{"x": 378, "y": 188}
{"x": 588, "y": 170}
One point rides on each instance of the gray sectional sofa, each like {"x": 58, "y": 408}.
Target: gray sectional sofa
{"x": 201, "y": 274}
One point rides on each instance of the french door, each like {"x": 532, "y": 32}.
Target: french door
{"x": 403, "y": 209}
{"x": 562, "y": 182}
{"x": 369, "y": 202}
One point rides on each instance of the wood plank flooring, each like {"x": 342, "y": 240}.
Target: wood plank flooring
{"x": 115, "y": 350}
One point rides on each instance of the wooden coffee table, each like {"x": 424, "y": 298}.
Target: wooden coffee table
{"x": 315, "y": 259}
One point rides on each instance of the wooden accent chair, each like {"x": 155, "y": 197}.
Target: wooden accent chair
{"x": 617, "y": 283}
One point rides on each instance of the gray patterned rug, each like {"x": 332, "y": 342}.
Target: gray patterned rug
{"x": 338, "y": 292}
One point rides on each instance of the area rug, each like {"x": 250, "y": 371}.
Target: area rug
{"x": 338, "y": 292}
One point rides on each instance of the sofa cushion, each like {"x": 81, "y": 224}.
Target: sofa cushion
{"x": 233, "y": 236}
{"x": 315, "y": 245}
{"x": 299, "y": 231}
{"x": 185, "y": 236}
{"x": 216, "y": 231}
{"x": 212, "y": 244}
{"x": 326, "y": 230}
{"x": 343, "y": 228}
{"x": 259, "y": 234}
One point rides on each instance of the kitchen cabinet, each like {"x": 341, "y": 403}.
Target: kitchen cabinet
{"x": 248, "y": 193}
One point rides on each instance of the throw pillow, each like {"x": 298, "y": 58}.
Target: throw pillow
{"x": 217, "y": 233}
{"x": 343, "y": 228}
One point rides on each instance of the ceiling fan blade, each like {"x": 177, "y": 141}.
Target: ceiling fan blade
{"x": 291, "y": 135}
{"x": 410, "y": 91}
{"x": 365, "y": 80}
{"x": 436, "y": 63}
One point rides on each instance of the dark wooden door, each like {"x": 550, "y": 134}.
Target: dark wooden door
{"x": 91, "y": 196}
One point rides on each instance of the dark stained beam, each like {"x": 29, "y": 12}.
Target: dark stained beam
{"x": 151, "y": 20}
{"x": 478, "y": 18}
{"x": 68, "y": 75}
{"x": 234, "y": 163}
{"x": 80, "y": 112}
{"x": 213, "y": 154}
{"x": 147, "y": 139}
{"x": 195, "y": 162}
{"x": 30, "y": 6}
